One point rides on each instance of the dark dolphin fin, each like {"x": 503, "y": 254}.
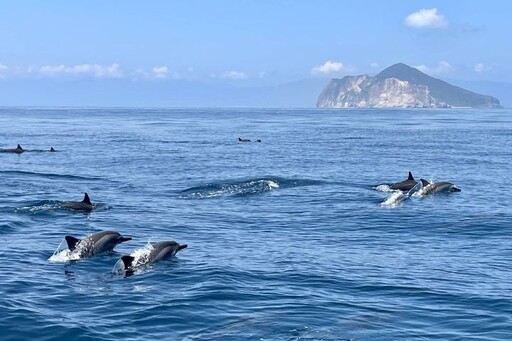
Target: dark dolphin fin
{"x": 19, "y": 147}
{"x": 410, "y": 176}
{"x": 86, "y": 199}
{"x": 424, "y": 182}
{"x": 127, "y": 261}
{"x": 182, "y": 246}
{"x": 71, "y": 241}
{"x": 51, "y": 149}
{"x": 240, "y": 139}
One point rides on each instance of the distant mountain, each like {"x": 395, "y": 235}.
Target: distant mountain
{"x": 399, "y": 86}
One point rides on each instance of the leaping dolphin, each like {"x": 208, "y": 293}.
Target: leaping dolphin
{"x": 84, "y": 205}
{"x": 437, "y": 187}
{"x": 96, "y": 243}
{"x": 17, "y": 150}
{"x": 161, "y": 251}
{"x": 404, "y": 185}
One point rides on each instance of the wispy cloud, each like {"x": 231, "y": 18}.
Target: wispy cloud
{"x": 86, "y": 70}
{"x": 481, "y": 68}
{"x": 426, "y": 18}
{"x": 233, "y": 75}
{"x": 326, "y": 68}
{"x": 3, "y": 67}
{"x": 160, "y": 72}
{"x": 374, "y": 65}
{"x": 443, "y": 67}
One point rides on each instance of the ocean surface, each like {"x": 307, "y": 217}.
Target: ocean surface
{"x": 288, "y": 239}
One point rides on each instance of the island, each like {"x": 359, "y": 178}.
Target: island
{"x": 399, "y": 86}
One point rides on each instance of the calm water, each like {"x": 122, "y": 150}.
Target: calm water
{"x": 287, "y": 238}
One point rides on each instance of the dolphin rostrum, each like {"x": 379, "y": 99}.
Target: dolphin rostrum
{"x": 94, "y": 244}
{"x": 17, "y": 150}
{"x": 160, "y": 251}
{"x": 84, "y": 205}
{"x": 405, "y": 185}
{"x": 437, "y": 187}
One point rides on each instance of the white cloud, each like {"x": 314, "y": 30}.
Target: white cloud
{"x": 327, "y": 68}
{"x": 442, "y": 67}
{"x": 87, "y": 70}
{"x": 374, "y": 65}
{"x": 233, "y": 75}
{"x": 3, "y": 67}
{"x": 480, "y": 67}
{"x": 426, "y": 18}
{"x": 160, "y": 72}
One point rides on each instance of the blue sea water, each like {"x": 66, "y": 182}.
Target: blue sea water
{"x": 287, "y": 239}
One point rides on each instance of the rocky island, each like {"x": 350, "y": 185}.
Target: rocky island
{"x": 399, "y": 86}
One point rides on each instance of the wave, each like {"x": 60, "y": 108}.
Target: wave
{"x": 243, "y": 187}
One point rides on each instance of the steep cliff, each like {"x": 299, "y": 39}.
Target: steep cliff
{"x": 399, "y": 86}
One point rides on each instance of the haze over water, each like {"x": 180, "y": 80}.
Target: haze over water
{"x": 287, "y": 238}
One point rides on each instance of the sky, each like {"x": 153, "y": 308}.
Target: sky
{"x": 252, "y": 42}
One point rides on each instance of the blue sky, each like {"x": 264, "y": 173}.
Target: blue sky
{"x": 252, "y": 42}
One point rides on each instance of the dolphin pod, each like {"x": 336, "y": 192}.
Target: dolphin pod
{"x": 94, "y": 244}
{"x": 84, "y": 205}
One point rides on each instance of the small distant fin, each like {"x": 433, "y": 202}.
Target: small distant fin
{"x": 86, "y": 199}
{"x": 19, "y": 147}
{"x": 127, "y": 261}
{"x": 51, "y": 149}
{"x": 424, "y": 182}
{"x": 71, "y": 241}
{"x": 240, "y": 139}
{"x": 410, "y": 176}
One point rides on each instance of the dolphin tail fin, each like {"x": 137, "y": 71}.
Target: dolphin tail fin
{"x": 424, "y": 182}
{"x": 19, "y": 147}
{"x": 127, "y": 261}
{"x": 71, "y": 241}
{"x": 86, "y": 199}
{"x": 410, "y": 176}
{"x": 182, "y": 246}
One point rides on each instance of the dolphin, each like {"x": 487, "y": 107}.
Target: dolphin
{"x": 437, "y": 187}
{"x": 405, "y": 185}
{"x": 243, "y": 140}
{"x": 52, "y": 150}
{"x": 160, "y": 251}
{"x": 17, "y": 150}
{"x": 84, "y": 205}
{"x": 96, "y": 243}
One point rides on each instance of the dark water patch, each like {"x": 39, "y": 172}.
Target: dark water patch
{"x": 52, "y": 176}
{"x": 243, "y": 187}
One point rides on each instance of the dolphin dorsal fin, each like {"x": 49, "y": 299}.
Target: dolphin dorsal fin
{"x": 71, "y": 241}
{"x": 51, "y": 149}
{"x": 19, "y": 147}
{"x": 86, "y": 199}
{"x": 410, "y": 176}
{"x": 424, "y": 182}
{"x": 127, "y": 261}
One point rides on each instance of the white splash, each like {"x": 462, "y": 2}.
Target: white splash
{"x": 384, "y": 188}
{"x": 63, "y": 255}
{"x": 394, "y": 199}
